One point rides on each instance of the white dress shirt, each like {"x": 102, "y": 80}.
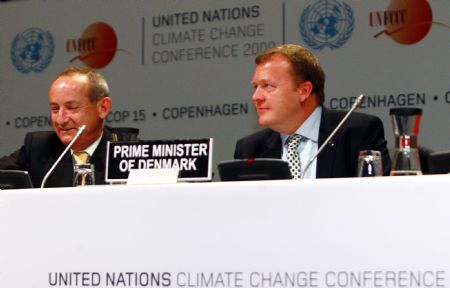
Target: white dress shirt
{"x": 91, "y": 149}
{"x": 309, "y": 144}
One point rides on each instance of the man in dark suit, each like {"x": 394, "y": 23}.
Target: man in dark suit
{"x": 289, "y": 94}
{"x": 78, "y": 96}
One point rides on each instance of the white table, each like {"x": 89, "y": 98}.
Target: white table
{"x": 383, "y": 232}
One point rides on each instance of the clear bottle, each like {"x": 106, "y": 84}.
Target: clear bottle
{"x": 406, "y": 160}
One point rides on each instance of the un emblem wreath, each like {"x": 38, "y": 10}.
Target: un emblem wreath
{"x": 326, "y": 23}
{"x": 32, "y": 50}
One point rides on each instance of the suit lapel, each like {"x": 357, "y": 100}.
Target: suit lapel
{"x": 272, "y": 147}
{"x": 99, "y": 158}
{"x": 325, "y": 161}
{"x": 62, "y": 175}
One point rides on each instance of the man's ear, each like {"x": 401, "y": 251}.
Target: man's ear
{"x": 305, "y": 90}
{"x": 104, "y": 106}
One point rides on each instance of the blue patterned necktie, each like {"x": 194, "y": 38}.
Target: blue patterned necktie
{"x": 293, "y": 156}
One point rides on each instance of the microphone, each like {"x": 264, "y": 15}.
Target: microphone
{"x": 80, "y": 131}
{"x": 355, "y": 105}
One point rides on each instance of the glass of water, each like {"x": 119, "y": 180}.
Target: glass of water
{"x": 369, "y": 163}
{"x": 84, "y": 174}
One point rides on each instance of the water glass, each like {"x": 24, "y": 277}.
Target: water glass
{"x": 369, "y": 163}
{"x": 84, "y": 174}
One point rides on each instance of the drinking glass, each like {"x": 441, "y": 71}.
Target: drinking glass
{"x": 369, "y": 163}
{"x": 84, "y": 174}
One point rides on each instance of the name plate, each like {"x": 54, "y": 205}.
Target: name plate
{"x": 193, "y": 158}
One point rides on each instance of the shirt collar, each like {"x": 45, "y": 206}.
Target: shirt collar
{"x": 310, "y": 128}
{"x": 91, "y": 149}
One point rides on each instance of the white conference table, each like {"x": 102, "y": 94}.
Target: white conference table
{"x": 355, "y": 232}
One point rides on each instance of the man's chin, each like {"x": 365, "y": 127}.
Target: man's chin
{"x": 65, "y": 139}
{"x": 263, "y": 121}
{"x": 268, "y": 123}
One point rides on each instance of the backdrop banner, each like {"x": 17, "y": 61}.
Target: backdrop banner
{"x": 182, "y": 69}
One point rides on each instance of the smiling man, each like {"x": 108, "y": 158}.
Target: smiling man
{"x": 288, "y": 95}
{"x": 78, "y": 96}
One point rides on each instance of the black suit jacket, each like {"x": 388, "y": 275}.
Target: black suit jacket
{"x": 339, "y": 158}
{"x": 40, "y": 151}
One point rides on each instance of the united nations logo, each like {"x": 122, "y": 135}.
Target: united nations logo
{"x": 32, "y": 50}
{"x": 328, "y": 23}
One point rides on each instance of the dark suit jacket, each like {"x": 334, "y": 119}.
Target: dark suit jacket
{"x": 40, "y": 151}
{"x": 340, "y": 157}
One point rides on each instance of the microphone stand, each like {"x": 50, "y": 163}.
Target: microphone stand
{"x": 355, "y": 105}
{"x": 80, "y": 131}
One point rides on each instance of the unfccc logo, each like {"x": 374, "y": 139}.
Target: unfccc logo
{"x": 97, "y": 46}
{"x": 406, "y": 22}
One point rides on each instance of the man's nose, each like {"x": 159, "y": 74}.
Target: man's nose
{"x": 61, "y": 117}
{"x": 257, "y": 95}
